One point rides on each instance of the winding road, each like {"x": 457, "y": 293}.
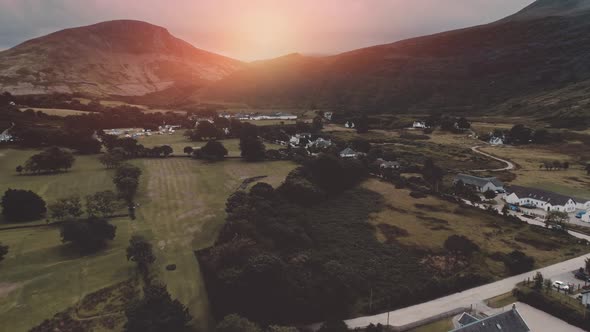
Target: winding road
{"x": 509, "y": 165}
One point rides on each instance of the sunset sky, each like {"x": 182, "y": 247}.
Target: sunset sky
{"x": 260, "y": 29}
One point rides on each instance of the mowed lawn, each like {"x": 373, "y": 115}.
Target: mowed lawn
{"x": 573, "y": 182}
{"x": 181, "y": 208}
{"x": 430, "y": 221}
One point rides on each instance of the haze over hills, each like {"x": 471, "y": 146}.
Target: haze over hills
{"x": 118, "y": 57}
{"x": 496, "y": 66}
{"x": 533, "y": 62}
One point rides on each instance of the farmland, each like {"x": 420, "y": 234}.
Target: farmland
{"x": 181, "y": 207}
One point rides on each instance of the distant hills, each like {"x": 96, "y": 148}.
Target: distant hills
{"x": 118, "y": 57}
{"x": 536, "y": 61}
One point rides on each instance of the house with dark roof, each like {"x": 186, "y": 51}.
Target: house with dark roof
{"x": 480, "y": 184}
{"x": 507, "y": 321}
{"x": 542, "y": 199}
{"x": 384, "y": 164}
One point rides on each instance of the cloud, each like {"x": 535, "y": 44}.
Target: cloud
{"x": 250, "y": 29}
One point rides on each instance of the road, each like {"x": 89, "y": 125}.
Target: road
{"x": 463, "y": 299}
{"x": 509, "y": 165}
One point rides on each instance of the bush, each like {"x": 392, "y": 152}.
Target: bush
{"x": 490, "y": 194}
{"x": 459, "y": 244}
{"x": 418, "y": 194}
{"x": 88, "y": 235}
{"x": 213, "y": 150}
{"x": 518, "y": 262}
{"x": 22, "y": 205}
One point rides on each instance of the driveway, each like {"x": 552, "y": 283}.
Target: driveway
{"x": 465, "y": 299}
{"x": 509, "y": 165}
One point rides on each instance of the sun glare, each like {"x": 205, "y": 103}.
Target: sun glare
{"x": 263, "y": 35}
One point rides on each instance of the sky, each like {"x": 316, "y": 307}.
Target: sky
{"x": 260, "y": 29}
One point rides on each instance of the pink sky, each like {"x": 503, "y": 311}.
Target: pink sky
{"x": 258, "y": 29}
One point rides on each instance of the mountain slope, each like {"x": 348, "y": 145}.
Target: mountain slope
{"x": 471, "y": 70}
{"x": 118, "y": 57}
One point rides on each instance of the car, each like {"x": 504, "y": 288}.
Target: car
{"x": 561, "y": 285}
{"x": 514, "y": 208}
{"x": 580, "y": 214}
{"x": 528, "y": 206}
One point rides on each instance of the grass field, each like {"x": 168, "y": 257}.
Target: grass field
{"x": 573, "y": 182}
{"x": 56, "y": 111}
{"x": 501, "y": 300}
{"x": 443, "y": 325}
{"x": 181, "y": 208}
{"x": 178, "y": 142}
{"x": 430, "y": 221}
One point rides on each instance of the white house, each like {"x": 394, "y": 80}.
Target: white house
{"x": 419, "y": 125}
{"x": 348, "y": 153}
{"x": 12, "y": 103}
{"x": 274, "y": 116}
{"x": 582, "y": 204}
{"x": 384, "y": 164}
{"x": 328, "y": 115}
{"x": 545, "y": 200}
{"x": 297, "y": 138}
{"x": 349, "y": 124}
{"x": 319, "y": 143}
{"x": 480, "y": 184}
{"x": 496, "y": 140}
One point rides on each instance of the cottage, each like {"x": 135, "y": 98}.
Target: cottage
{"x": 496, "y": 140}
{"x": 480, "y": 184}
{"x": 384, "y": 164}
{"x": 299, "y": 139}
{"x": 12, "y": 103}
{"x": 320, "y": 143}
{"x": 349, "y": 124}
{"x": 348, "y": 153}
{"x": 510, "y": 320}
{"x": 546, "y": 200}
{"x": 582, "y": 204}
{"x": 419, "y": 125}
{"x": 328, "y": 115}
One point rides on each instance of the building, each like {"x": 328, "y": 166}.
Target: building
{"x": 419, "y": 125}
{"x": 274, "y": 116}
{"x": 349, "y": 124}
{"x": 582, "y": 204}
{"x": 507, "y": 321}
{"x": 328, "y": 115}
{"x": 384, "y": 164}
{"x": 319, "y": 143}
{"x": 298, "y": 139}
{"x": 586, "y": 217}
{"x": 480, "y": 184}
{"x": 546, "y": 200}
{"x": 348, "y": 153}
{"x": 496, "y": 140}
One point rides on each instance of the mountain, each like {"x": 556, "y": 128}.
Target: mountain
{"x": 499, "y": 66}
{"x": 121, "y": 57}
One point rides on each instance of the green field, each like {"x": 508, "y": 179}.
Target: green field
{"x": 178, "y": 142}
{"x": 181, "y": 208}
{"x": 56, "y": 111}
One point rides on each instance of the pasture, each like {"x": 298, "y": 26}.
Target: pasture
{"x": 181, "y": 208}
{"x": 426, "y": 223}
{"x": 56, "y": 111}
{"x": 573, "y": 181}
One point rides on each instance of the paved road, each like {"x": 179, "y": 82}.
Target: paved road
{"x": 509, "y": 165}
{"x": 463, "y": 299}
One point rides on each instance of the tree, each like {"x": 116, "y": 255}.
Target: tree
{"x": 204, "y": 130}
{"x": 334, "y": 326}
{"x": 519, "y": 134}
{"x": 461, "y": 245}
{"x": 505, "y": 210}
{"x": 252, "y": 148}
{"x": 126, "y": 171}
{"x": 101, "y": 204}
{"x": 518, "y": 262}
{"x": 51, "y": 160}
{"x": 213, "y": 150}
{"x": 166, "y": 150}
{"x": 432, "y": 174}
{"x": 236, "y": 323}
{"x": 22, "y": 205}
{"x": 362, "y": 124}
{"x": 587, "y": 265}
{"x": 548, "y": 283}
{"x": 127, "y": 188}
{"x": 87, "y": 235}
{"x": 276, "y": 328}
{"x": 3, "y": 251}
{"x": 556, "y": 218}
{"x": 188, "y": 150}
{"x": 317, "y": 124}
{"x": 19, "y": 169}
{"x": 113, "y": 158}
{"x": 489, "y": 194}
{"x": 156, "y": 312}
{"x": 66, "y": 208}
{"x": 462, "y": 123}
{"x": 140, "y": 252}
{"x": 538, "y": 281}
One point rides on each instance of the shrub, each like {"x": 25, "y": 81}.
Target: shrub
{"x": 459, "y": 244}
{"x": 88, "y": 235}
{"x": 22, "y": 205}
{"x": 518, "y": 262}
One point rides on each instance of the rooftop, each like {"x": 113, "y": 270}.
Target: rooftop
{"x": 478, "y": 181}
{"x": 508, "y": 321}
{"x": 539, "y": 194}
